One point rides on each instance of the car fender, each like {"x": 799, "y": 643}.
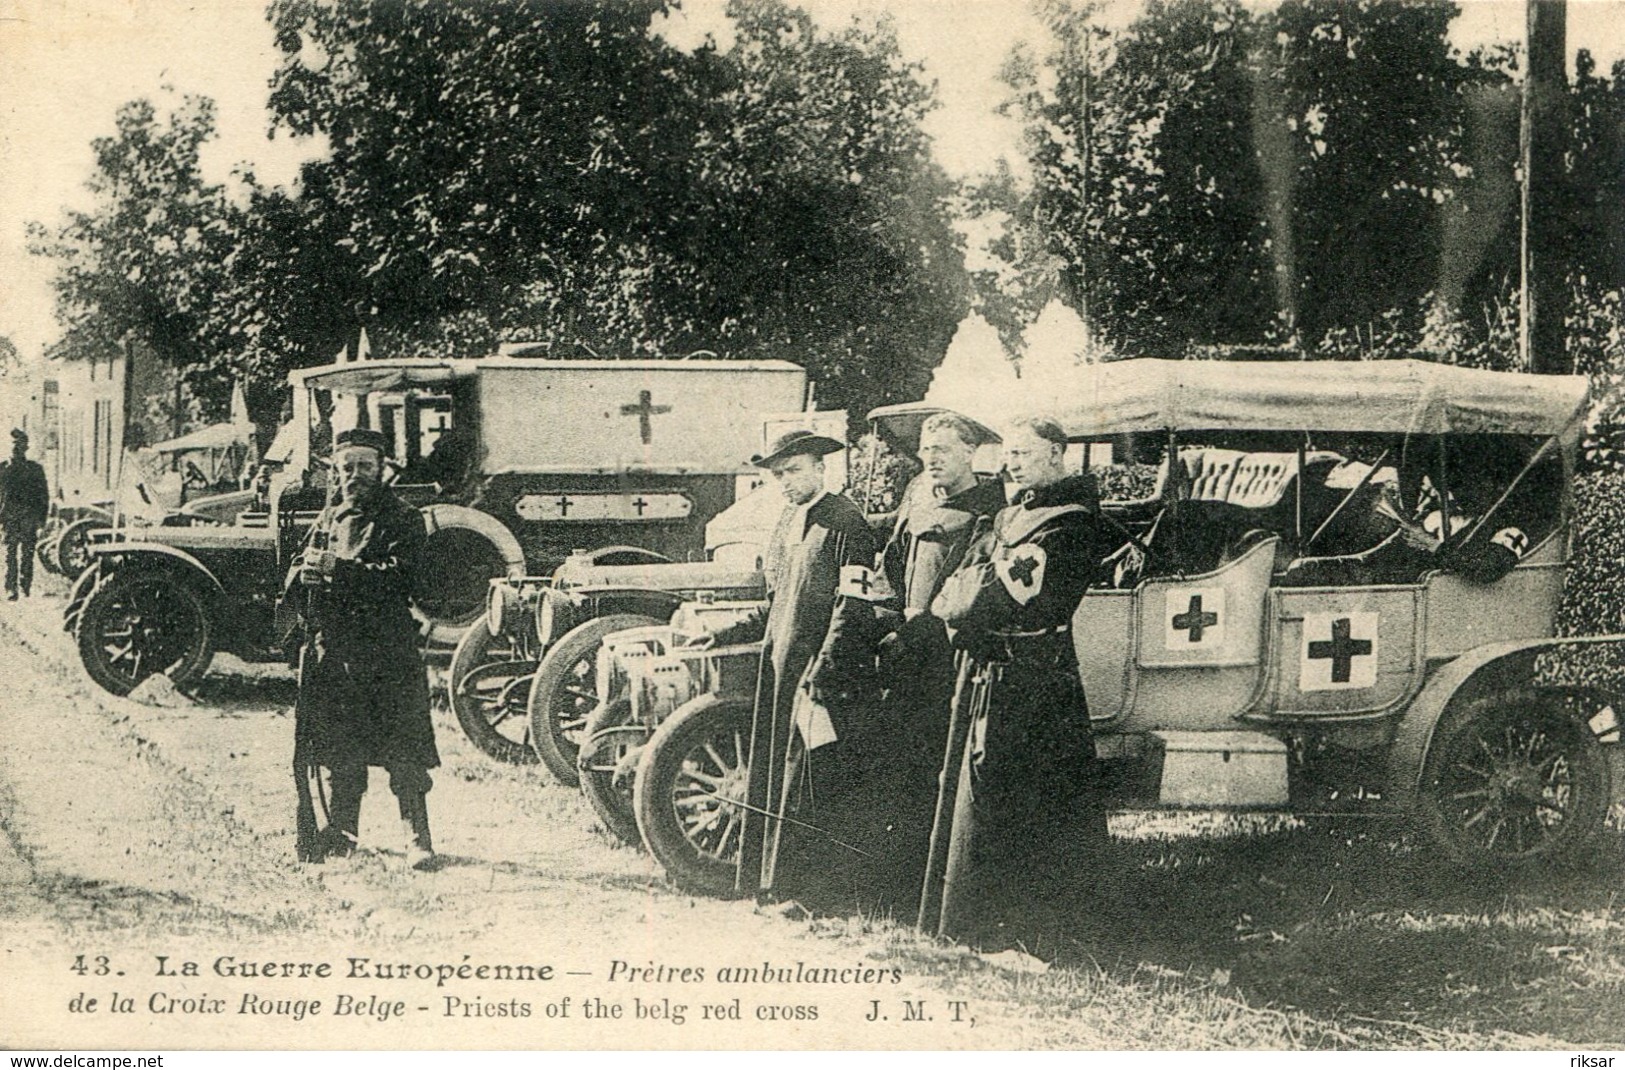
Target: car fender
{"x": 1493, "y": 666}
{"x": 635, "y": 555}
{"x": 169, "y": 557}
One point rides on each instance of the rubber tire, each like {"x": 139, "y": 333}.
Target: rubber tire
{"x": 1590, "y": 778}
{"x": 45, "y": 553}
{"x": 192, "y": 665}
{"x": 657, "y": 779}
{"x": 78, "y": 595}
{"x": 474, "y": 649}
{"x": 68, "y": 548}
{"x": 557, "y": 751}
{"x": 615, "y": 808}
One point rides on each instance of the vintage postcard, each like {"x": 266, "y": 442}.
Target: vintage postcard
{"x": 811, "y": 524}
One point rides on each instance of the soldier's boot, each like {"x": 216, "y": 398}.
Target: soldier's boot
{"x": 342, "y": 833}
{"x": 415, "y": 825}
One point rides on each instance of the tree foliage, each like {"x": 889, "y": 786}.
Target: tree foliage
{"x": 1220, "y": 174}
{"x": 540, "y": 170}
{"x": 153, "y": 256}
{"x": 557, "y": 172}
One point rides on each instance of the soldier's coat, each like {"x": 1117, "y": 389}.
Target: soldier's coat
{"x": 1026, "y": 806}
{"x": 364, "y": 694}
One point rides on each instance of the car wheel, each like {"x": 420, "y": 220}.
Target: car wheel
{"x": 488, "y": 682}
{"x": 135, "y": 625}
{"x": 611, "y": 741}
{"x": 690, "y": 785}
{"x": 72, "y": 550}
{"x": 45, "y": 553}
{"x": 1515, "y": 779}
{"x": 565, "y": 692}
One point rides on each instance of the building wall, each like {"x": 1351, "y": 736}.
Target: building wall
{"x": 91, "y": 411}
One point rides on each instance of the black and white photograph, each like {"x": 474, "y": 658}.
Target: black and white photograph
{"x": 718, "y": 525}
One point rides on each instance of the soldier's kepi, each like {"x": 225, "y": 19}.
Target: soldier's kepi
{"x": 363, "y": 690}
{"x": 1020, "y": 822}
{"x": 810, "y": 726}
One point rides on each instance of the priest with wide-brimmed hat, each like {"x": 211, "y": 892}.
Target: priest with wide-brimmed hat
{"x": 816, "y": 684}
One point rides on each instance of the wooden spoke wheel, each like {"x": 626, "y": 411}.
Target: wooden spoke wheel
{"x": 489, "y": 681}
{"x": 690, "y": 789}
{"x": 565, "y": 692}
{"x": 1515, "y": 778}
{"x": 137, "y": 624}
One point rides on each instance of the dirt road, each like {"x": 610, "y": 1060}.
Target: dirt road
{"x": 135, "y": 833}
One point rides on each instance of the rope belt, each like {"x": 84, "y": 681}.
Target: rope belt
{"x": 1043, "y": 648}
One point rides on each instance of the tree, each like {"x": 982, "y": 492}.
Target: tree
{"x": 556, "y": 172}
{"x": 1211, "y": 175}
{"x": 153, "y": 256}
{"x": 1371, "y": 96}
{"x": 1145, "y": 174}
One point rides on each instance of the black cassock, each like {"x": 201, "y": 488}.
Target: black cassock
{"x": 800, "y": 827}
{"x": 363, "y": 690}
{"x": 929, "y": 540}
{"x": 1028, "y": 821}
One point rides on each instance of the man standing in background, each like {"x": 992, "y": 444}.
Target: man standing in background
{"x": 24, "y": 503}
{"x": 944, "y": 508}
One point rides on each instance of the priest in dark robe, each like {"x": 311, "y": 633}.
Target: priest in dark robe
{"x": 814, "y": 696}
{"x": 941, "y": 512}
{"x": 1028, "y": 824}
{"x": 363, "y": 689}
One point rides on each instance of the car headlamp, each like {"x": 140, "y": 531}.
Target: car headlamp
{"x": 544, "y": 619}
{"x": 500, "y": 605}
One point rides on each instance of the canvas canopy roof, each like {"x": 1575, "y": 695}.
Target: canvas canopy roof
{"x": 1397, "y": 396}
{"x": 368, "y": 376}
{"x": 212, "y": 437}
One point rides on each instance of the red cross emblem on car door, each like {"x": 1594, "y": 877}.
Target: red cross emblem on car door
{"x": 1339, "y": 652}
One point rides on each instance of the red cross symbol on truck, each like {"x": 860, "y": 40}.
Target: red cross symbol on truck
{"x": 1194, "y": 620}
{"x": 644, "y": 409}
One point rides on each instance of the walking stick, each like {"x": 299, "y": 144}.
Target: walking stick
{"x": 308, "y": 845}
{"x": 936, "y": 859}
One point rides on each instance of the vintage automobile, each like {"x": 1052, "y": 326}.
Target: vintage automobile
{"x": 641, "y": 676}
{"x": 514, "y": 461}
{"x": 518, "y": 700}
{"x": 63, "y": 546}
{"x": 1340, "y": 597}
{"x": 522, "y": 680}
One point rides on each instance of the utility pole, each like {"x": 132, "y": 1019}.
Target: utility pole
{"x": 1083, "y": 189}
{"x": 1543, "y": 133}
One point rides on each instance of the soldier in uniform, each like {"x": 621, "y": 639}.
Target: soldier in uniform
{"x": 929, "y": 539}
{"x": 363, "y": 691}
{"x": 1028, "y": 822}
{"x": 809, "y": 730}
{"x": 24, "y": 503}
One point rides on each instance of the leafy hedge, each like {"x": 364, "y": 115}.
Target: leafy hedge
{"x": 1594, "y": 594}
